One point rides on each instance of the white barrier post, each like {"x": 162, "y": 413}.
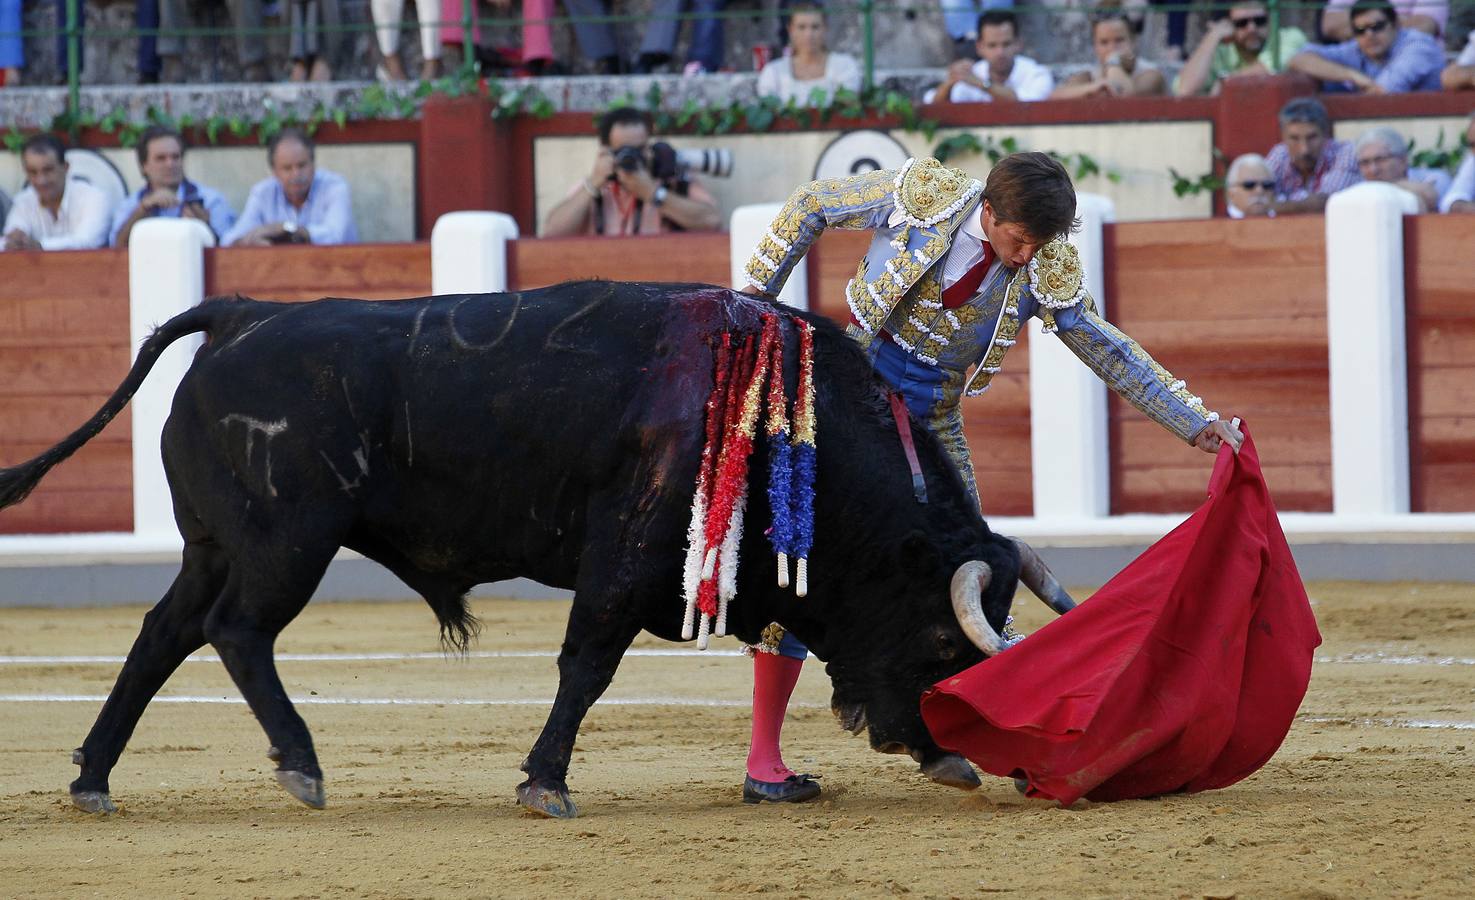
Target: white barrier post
{"x": 1367, "y": 354}
{"x": 468, "y": 252}
{"x": 1067, "y": 402}
{"x": 166, "y": 276}
{"x": 745, "y": 229}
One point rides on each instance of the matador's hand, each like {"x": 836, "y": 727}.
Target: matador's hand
{"x": 1218, "y": 432}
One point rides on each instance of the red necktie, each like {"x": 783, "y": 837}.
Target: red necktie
{"x": 964, "y": 288}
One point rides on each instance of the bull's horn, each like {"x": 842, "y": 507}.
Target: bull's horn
{"x": 1035, "y": 575}
{"x": 969, "y": 583}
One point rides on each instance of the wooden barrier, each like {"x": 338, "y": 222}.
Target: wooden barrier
{"x": 367, "y": 271}
{"x": 1238, "y": 310}
{"x": 1439, "y": 300}
{"x": 63, "y": 349}
{"x": 537, "y": 262}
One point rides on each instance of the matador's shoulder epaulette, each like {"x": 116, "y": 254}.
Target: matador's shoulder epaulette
{"x": 1057, "y": 279}
{"x": 927, "y": 192}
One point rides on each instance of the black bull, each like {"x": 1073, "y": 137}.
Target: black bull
{"x": 553, "y": 434}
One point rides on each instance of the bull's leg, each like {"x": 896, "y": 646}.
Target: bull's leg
{"x": 172, "y": 630}
{"x": 257, "y": 603}
{"x": 599, "y": 633}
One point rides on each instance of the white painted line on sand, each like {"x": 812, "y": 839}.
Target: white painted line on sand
{"x": 1433, "y": 724}
{"x": 405, "y": 701}
{"x": 1381, "y": 658}
{"x": 365, "y": 657}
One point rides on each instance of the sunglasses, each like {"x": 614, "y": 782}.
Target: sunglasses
{"x": 1375, "y": 28}
{"x": 1251, "y": 185}
{"x": 1257, "y": 21}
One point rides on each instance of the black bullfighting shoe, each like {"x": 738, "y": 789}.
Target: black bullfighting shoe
{"x": 794, "y": 789}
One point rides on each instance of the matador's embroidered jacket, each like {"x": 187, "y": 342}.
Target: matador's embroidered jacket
{"x": 915, "y": 212}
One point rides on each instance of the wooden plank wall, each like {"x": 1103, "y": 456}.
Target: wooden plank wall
{"x": 1440, "y": 306}
{"x": 1238, "y": 310}
{"x": 63, "y": 349}
{"x": 367, "y": 271}
{"x": 537, "y": 262}
{"x": 996, "y": 424}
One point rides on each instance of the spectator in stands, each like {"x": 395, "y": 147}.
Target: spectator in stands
{"x": 388, "y": 17}
{"x": 166, "y": 192}
{"x": 1381, "y": 58}
{"x": 316, "y": 37}
{"x": 1460, "y": 198}
{"x": 960, "y": 18}
{"x": 597, "y": 41}
{"x": 299, "y": 204}
{"x": 630, "y": 190}
{"x": 1382, "y": 155}
{"x": 811, "y": 66}
{"x": 12, "y": 49}
{"x": 1001, "y": 73}
{"x": 1237, "y": 43}
{"x": 145, "y": 18}
{"x": 1460, "y": 74}
{"x": 537, "y": 34}
{"x": 247, "y": 17}
{"x": 1119, "y": 71}
{"x": 1249, "y": 188}
{"x": 1308, "y": 164}
{"x": 1428, "y": 16}
{"x": 53, "y": 213}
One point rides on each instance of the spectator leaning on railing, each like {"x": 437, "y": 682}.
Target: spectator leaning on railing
{"x": 299, "y": 204}
{"x": 1460, "y": 198}
{"x": 1249, "y": 188}
{"x": 1460, "y": 74}
{"x": 1382, "y": 155}
{"x": 166, "y": 192}
{"x": 811, "y": 66}
{"x": 1428, "y": 16}
{"x": 54, "y": 213}
{"x": 1308, "y": 164}
{"x": 248, "y": 19}
{"x": 1381, "y": 58}
{"x": 1237, "y": 43}
{"x": 1119, "y": 71}
{"x": 1001, "y": 73}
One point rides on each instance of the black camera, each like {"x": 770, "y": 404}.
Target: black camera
{"x": 631, "y": 159}
{"x": 668, "y": 163}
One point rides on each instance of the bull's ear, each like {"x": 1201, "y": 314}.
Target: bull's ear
{"x": 918, "y": 558}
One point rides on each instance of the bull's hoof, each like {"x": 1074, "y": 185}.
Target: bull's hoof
{"x": 304, "y": 787}
{"x": 551, "y": 802}
{"x": 93, "y": 802}
{"x": 952, "y": 770}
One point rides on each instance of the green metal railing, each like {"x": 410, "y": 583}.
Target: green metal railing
{"x": 867, "y": 11}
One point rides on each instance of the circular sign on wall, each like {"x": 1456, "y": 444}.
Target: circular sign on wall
{"x": 856, "y": 152}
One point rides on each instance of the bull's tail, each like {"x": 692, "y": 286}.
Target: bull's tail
{"x": 17, "y": 482}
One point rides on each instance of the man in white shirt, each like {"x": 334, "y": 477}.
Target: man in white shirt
{"x": 1460, "y": 198}
{"x": 53, "y": 213}
{"x": 1000, "y": 73}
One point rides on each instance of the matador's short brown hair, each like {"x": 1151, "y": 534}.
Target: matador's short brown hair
{"x": 1033, "y": 190}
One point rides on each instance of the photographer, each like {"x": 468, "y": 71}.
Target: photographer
{"x": 166, "y": 192}
{"x": 635, "y": 188}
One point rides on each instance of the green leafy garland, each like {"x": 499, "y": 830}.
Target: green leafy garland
{"x": 692, "y": 117}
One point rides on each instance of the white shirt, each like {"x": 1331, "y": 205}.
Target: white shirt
{"x": 1028, "y": 80}
{"x": 81, "y": 221}
{"x": 777, "y": 79}
{"x": 967, "y": 250}
{"x": 1463, "y": 187}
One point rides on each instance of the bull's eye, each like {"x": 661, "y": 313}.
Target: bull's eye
{"x": 947, "y": 648}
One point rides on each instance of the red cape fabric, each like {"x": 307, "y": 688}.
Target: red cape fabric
{"x": 1183, "y": 673}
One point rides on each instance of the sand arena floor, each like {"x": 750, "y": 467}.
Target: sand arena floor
{"x": 1373, "y": 794}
